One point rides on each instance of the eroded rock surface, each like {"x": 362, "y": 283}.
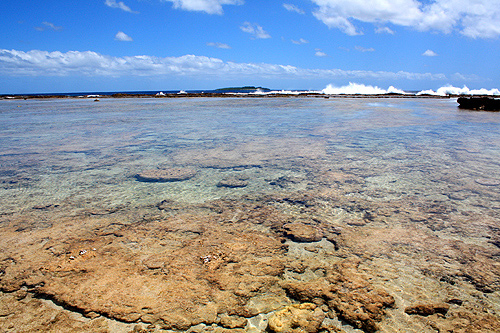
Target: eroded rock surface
{"x": 181, "y": 266}
{"x": 305, "y": 317}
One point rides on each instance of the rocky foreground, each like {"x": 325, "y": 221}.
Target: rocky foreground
{"x": 315, "y": 261}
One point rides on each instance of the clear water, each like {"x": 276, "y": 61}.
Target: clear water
{"x": 83, "y": 150}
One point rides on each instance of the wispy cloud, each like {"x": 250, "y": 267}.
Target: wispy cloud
{"x": 48, "y": 26}
{"x": 120, "y": 5}
{"x": 38, "y": 63}
{"x": 293, "y": 8}
{"x": 219, "y": 45}
{"x": 207, "y": 6}
{"x": 384, "y": 30}
{"x": 255, "y": 30}
{"x": 123, "y": 37}
{"x": 362, "y": 49}
{"x": 475, "y": 19}
{"x": 429, "y": 53}
{"x": 320, "y": 53}
{"x": 300, "y": 41}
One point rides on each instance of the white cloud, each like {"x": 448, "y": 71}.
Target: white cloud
{"x": 293, "y": 8}
{"x": 320, "y": 53}
{"x": 48, "y": 25}
{"x": 384, "y": 30}
{"x": 123, "y": 37}
{"x": 362, "y": 49}
{"x": 472, "y": 18}
{"x": 429, "y": 53}
{"x": 120, "y": 5}
{"x": 256, "y": 30}
{"x": 300, "y": 41}
{"x": 74, "y": 63}
{"x": 219, "y": 45}
{"x": 207, "y": 6}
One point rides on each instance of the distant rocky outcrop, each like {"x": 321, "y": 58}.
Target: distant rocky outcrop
{"x": 479, "y": 103}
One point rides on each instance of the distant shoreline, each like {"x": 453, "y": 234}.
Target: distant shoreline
{"x": 219, "y": 95}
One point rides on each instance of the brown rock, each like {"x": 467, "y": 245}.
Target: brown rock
{"x": 355, "y": 299}
{"x": 427, "y": 309}
{"x": 305, "y": 317}
{"x": 165, "y": 175}
{"x": 301, "y": 232}
{"x": 232, "y": 321}
{"x": 347, "y": 292}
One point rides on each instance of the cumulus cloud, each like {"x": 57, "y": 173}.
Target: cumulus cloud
{"x": 293, "y": 8}
{"x": 119, "y": 5}
{"x": 123, "y": 37}
{"x": 48, "y": 26}
{"x": 207, "y": 6}
{"x": 476, "y": 19}
{"x": 255, "y": 30}
{"x": 429, "y": 53}
{"x": 300, "y": 41}
{"x": 219, "y": 45}
{"x": 74, "y": 63}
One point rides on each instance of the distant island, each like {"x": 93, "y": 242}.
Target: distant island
{"x": 243, "y": 89}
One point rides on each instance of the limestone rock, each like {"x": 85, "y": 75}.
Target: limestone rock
{"x": 427, "y": 309}
{"x": 232, "y": 321}
{"x": 305, "y": 317}
{"x": 233, "y": 182}
{"x": 301, "y": 232}
{"x": 347, "y": 292}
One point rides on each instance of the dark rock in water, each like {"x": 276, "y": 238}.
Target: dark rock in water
{"x": 165, "y": 175}
{"x": 427, "y": 309}
{"x": 479, "y": 103}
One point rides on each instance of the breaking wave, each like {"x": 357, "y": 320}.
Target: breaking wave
{"x": 355, "y": 88}
{"x": 450, "y": 90}
{"x": 361, "y": 89}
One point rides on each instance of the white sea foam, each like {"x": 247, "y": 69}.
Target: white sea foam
{"x": 450, "y": 90}
{"x": 356, "y": 88}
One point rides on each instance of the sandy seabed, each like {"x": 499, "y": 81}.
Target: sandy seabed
{"x": 249, "y": 215}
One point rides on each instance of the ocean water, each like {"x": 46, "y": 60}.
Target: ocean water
{"x": 413, "y": 185}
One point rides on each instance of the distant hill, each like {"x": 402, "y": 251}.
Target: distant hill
{"x": 242, "y": 89}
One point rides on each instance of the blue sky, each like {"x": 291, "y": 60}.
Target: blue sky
{"x": 110, "y": 45}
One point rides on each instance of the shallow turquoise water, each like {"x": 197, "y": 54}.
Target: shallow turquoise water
{"x": 77, "y": 150}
